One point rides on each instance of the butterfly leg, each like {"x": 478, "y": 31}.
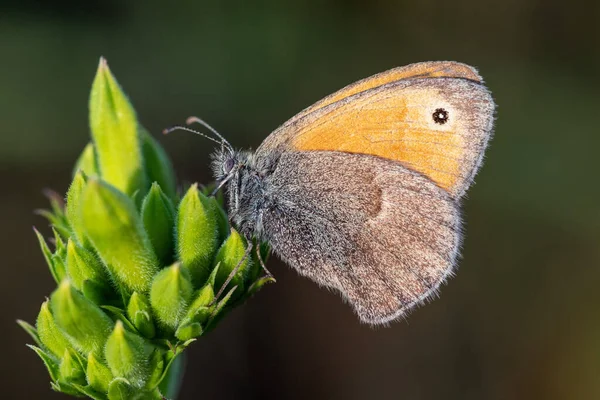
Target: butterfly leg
{"x": 268, "y": 274}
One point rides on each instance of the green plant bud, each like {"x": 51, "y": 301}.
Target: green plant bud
{"x": 85, "y": 324}
{"x": 188, "y": 330}
{"x": 114, "y": 227}
{"x": 73, "y": 208}
{"x": 230, "y": 254}
{"x": 197, "y": 234}
{"x": 83, "y": 266}
{"x": 57, "y": 216}
{"x": 115, "y": 133}
{"x": 98, "y": 375}
{"x": 71, "y": 370}
{"x": 61, "y": 248}
{"x": 139, "y": 313}
{"x": 222, "y": 220}
{"x": 158, "y": 165}
{"x": 200, "y": 309}
{"x": 170, "y": 295}
{"x": 120, "y": 389}
{"x": 158, "y": 214}
{"x": 58, "y": 271}
{"x": 127, "y": 355}
{"x": 49, "y": 333}
{"x": 87, "y": 161}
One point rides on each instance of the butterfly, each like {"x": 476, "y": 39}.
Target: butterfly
{"x": 361, "y": 191}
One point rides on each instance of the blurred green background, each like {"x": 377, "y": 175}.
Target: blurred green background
{"x": 519, "y": 321}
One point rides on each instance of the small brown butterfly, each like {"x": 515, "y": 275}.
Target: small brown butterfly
{"x": 360, "y": 192}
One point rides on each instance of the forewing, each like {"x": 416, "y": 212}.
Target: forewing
{"x": 383, "y": 235}
{"x": 399, "y": 120}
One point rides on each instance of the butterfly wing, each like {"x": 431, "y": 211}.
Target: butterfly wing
{"x": 434, "y": 118}
{"x": 382, "y": 234}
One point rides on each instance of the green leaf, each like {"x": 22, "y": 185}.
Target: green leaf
{"x": 57, "y": 271}
{"x": 71, "y": 370}
{"x": 98, "y": 375}
{"x": 170, "y": 295}
{"x": 85, "y": 324}
{"x": 87, "y": 162}
{"x": 170, "y": 383}
{"x": 197, "y": 235}
{"x": 73, "y": 208}
{"x": 113, "y": 225}
{"x": 86, "y": 272}
{"x": 49, "y": 361}
{"x": 30, "y": 330}
{"x": 90, "y": 392}
{"x": 127, "y": 355}
{"x": 231, "y": 253}
{"x": 49, "y": 333}
{"x": 158, "y": 165}
{"x": 139, "y": 313}
{"x": 158, "y": 214}
{"x": 114, "y": 129}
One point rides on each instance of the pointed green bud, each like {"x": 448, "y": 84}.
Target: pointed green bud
{"x": 120, "y": 389}
{"x": 222, "y": 220}
{"x": 85, "y": 324}
{"x": 86, "y": 271}
{"x": 114, "y": 227}
{"x": 158, "y": 165}
{"x": 189, "y": 330}
{"x": 57, "y": 271}
{"x": 231, "y": 253}
{"x": 127, "y": 355}
{"x": 158, "y": 214}
{"x": 199, "y": 310}
{"x": 140, "y": 314}
{"x": 170, "y": 295}
{"x": 98, "y": 375}
{"x": 73, "y": 208}
{"x": 49, "y": 333}
{"x": 197, "y": 235}
{"x": 70, "y": 369}
{"x": 115, "y": 133}
{"x": 87, "y": 161}
{"x": 61, "y": 248}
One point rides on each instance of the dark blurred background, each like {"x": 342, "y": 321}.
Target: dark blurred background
{"x": 519, "y": 321}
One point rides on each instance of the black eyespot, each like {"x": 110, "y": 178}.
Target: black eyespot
{"x": 228, "y": 166}
{"x": 440, "y": 116}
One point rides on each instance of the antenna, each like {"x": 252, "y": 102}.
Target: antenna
{"x": 185, "y": 128}
{"x": 197, "y": 120}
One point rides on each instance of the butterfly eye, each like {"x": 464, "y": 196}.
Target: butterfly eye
{"x": 228, "y": 166}
{"x": 440, "y": 116}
